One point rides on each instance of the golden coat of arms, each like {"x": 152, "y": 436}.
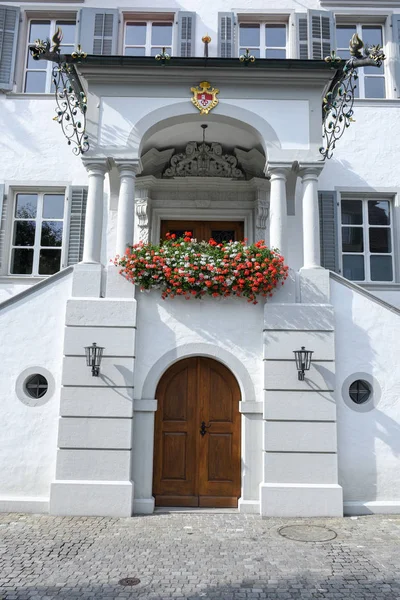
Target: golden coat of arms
{"x": 204, "y": 97}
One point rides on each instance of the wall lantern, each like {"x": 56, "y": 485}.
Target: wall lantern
{"x": 303, "y": 361}
{"x": 94, "y": 354}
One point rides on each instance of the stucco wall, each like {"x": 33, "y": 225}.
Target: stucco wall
{"x": 367, "y": 342}
{"x": 32, "y": 332}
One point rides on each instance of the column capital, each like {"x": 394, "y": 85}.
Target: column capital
{"x": 278, "y": 171}
{"x": 96, "y": 166}
{"x": 128, "y": 167}
{"x": 310, "y": 172}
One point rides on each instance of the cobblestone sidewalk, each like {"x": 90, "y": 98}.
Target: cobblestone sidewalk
{"x": 198, "y": 556}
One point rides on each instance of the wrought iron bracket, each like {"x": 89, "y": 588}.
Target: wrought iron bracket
{"x": 337, "y": 106}
{"x": 70, "y": 97}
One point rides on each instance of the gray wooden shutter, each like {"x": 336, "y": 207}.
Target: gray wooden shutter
{"x": 396, "y": 42}
{"x": 9, "y": 21}
{"x": 226, "y": 30}
{"x": 302, "y": 36}
{"x": 328, "y": 230}
{"x": 98, "y": 30}
{"x": 321, "y": 34}
{"x": 3, "y": 215}
{"x": 77, "y": 224}
{"x": 186, "y": 33}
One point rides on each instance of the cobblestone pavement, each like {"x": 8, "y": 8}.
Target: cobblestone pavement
{"x": 197, "y": 556}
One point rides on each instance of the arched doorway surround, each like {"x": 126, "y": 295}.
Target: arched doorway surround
{"x": 197, "y": 436}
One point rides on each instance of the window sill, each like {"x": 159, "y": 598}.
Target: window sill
{"x": 377, "y": 102}
{"x": 28, "y": 95}
{"x": 380, "y": 287}
{"x": 18, "y": 279}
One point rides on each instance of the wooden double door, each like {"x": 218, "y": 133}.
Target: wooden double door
{"x": 197, "y": 436}
{"x": 220, "y": 231}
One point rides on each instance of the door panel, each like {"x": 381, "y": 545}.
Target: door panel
{"x": 191, "y": 469}
{"x": 175, "y": 450}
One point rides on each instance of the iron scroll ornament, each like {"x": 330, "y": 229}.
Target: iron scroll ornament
{"x": 70, "y": 98}
{"x": 337, "y": 107}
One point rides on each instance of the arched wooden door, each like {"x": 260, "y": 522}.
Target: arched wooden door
{"x": 197, "y": 436}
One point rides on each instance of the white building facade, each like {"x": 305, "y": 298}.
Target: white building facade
{"x": 199, "y": 403}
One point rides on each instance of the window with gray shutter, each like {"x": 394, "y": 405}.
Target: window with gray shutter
{"x": 98, "y": 30}
{"x": 186, "y": 33}
{"x": 302, "y": 36}
{"x": 321, "y": 33}
{"x": 396, "y": 42}
{"x": 3, "y": 215}
{"x": 78, "y": 196}
{"x": 9, "y": 21}
{"x": 328, "y": 230}
{"x": 226, "y": 23}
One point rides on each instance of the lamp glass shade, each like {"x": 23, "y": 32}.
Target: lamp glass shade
{"x": 303, "y": 359}
{"x": 94, "y": 354}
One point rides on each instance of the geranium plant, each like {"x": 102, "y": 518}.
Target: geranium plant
{"x": 184, "y": 267}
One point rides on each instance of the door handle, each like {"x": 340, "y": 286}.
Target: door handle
{"x": 203, "y": 428}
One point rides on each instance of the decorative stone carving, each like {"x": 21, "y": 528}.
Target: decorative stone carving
{"x": 262, "y": 213}
{"x": 142, "y": 214}
{"x": 203, "y": 160}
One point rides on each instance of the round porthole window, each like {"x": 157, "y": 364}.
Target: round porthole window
{"x": 36, "y": 386}
{"x": 360, "y": 391}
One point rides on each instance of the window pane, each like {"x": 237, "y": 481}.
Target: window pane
{"x": 374, "y": 87}
{"x": 31, "y": 63}
{"x": 220, "y": 235}
{"x": 379, "y": 239}
{"x": 352, "y": 212}
{"x": 381, "y": 268}
{"x": 373, "y": 70}
{"x": 135, "y": 52}
{"x": 353, "y": 267}
{"x": 24, "y": 233}
{"x": 378, "y": 212}
{"x": 371, "y": 35}
{"x": 68, "y": 30}
{"x": 39, "y": 30}
{"x": 275, "y": 54}
{"x": 253, "y": 51}
{"x": 135, "y": 34}
{"x": 51, "y": 233}
{"x": 49, "y": 262}
{"x": 26, "y": 206}
{"x": 21, "y": 261}
{"x": 343, "y": 36}
{"x": 53, "y": 206}
{"x": 249, "y": 34}
{"x": 352, "y": 239}
{"x": 161, "y": 34}
{"x": 35, "y": 82}
{"x": 275, "y": 35}
{"x": 155, "y": 51}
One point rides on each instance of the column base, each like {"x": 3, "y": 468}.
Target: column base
{"x": 91, "y": 498}
{"x": 249, "y": 506}
{"x": 143, "y": 506}
{"x": 301, "y": 500}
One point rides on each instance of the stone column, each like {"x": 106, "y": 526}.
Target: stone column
{"x": 311, "y": 242}
{"x": 94, "y": 212}
{"x": 278, "y": 211}
{"x": 126, "y": 205}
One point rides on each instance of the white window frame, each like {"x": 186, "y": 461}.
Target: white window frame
{"x": 365, "y": 227}
{"x": 263, "y": 48}
{"x": 41, "y": 192}
{"x": 359, "y": 24}
{"x": 47, "y": 66}
{"x": 149, "y": 23}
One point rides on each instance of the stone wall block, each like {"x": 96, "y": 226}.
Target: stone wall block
{"x": 300, "y": 468}
{"x": 299, "y": 406}
{"x": 114, "y": 372}
{"x": 282, "y": 375}
{"x": 112, "y": 434}
{"x": 116, "y": 341}
{"x": 286, "y": 436}
{"x": 101, "y": 312}
{"x": 93, "y": 464}
{"x": 96, "y": 402}
{"x": 305, "y": 317}
{"x": 281, "y": 344}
